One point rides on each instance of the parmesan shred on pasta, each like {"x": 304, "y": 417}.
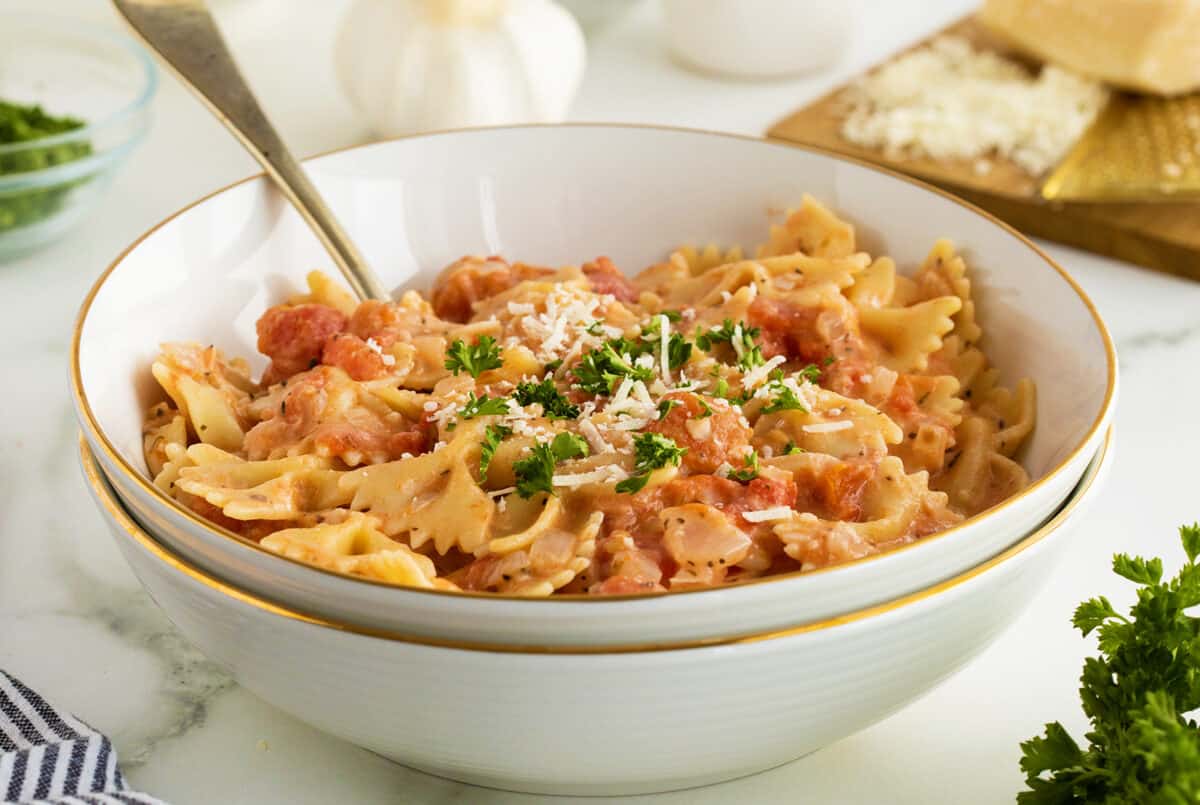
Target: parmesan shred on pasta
{"x": 765, "y": 515}
{"x": 532, "y": 431}
{"x": 828, "y": 427}
{"x": 949, "y": 101}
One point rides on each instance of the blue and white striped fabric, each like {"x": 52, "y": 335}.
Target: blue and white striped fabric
{"x": 53, "y": 758}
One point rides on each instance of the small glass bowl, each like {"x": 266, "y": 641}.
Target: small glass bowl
{"x": 77, "y": 70}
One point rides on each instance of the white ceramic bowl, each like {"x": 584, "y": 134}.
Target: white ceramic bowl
{"x": 529, "y": 719}
{"x": 559, "y": 194}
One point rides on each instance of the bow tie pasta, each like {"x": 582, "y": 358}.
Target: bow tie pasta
{"x": 533, "y": 431}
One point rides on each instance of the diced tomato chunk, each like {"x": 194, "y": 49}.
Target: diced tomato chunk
{"x": 833, "y": 490}
{"x": 472, "y": 279}
{"x": 293, "y": 337}
{"x": 606, "y": 278}
{"x": 711, "y": 439}
{"x": 355, "y": 356}
{"x": 788, "y": 329}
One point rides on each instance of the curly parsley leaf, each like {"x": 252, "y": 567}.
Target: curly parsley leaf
{"x": 474, "y": 359}
{"x": 739, "y": 336}
{"x": 664, "y": 407}
{"x": 1141, "y": 746}
{"x": 749, "y": 472}
{"x": 651, "y": 451}
{"x": 785, "y": 399}
{"x": 546, "y": 394}
{"x": 535, "y": 472}
{"x": 791, "y": 449}
{"x": 483, "y": 406}
{"x": 492, "y": 436}
{"x": 601, "y": 369}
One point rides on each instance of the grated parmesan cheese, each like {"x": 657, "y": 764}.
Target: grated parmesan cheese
{"x": 828, "y": 427}
{"x": 950, "y": 101}
{"x": 759, "y": 373}
{"x": 764, "y": 515}
{"x": 607, "y": 473}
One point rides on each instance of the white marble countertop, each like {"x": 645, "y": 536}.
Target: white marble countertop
{"x": 75, "y": 625}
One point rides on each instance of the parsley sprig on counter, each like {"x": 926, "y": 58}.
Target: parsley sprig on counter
{"x": 1141, "y": 748}
{"x": 535, "y": 472}
{"x": 474, "y": 359}
{"x": 651, "y": 451}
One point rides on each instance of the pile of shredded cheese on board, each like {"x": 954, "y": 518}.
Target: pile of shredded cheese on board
{"x": 950, "y": 101}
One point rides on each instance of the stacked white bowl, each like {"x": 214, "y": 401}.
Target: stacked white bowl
{"x": 582, "y": 695}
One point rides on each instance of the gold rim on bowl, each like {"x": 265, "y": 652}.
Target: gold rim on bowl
{"x": 116, "y": 512}
{"x": 101, "y": 440}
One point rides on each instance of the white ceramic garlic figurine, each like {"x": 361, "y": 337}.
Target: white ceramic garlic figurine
{"x": 420, "y": 65}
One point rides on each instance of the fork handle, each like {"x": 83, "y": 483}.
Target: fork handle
{"x": 185, "y": 35}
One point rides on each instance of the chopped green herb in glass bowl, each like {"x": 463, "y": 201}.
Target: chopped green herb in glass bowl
{"x": 74, "y": 102}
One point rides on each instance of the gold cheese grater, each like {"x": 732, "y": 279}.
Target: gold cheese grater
{"x": 1140, "y": 148}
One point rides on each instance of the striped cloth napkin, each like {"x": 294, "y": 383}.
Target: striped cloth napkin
{"x": 52, "y": 758}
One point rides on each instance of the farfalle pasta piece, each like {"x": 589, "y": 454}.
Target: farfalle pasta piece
{"x": 977, "y": 477}
{"x": 897, "y": 507}
{"x": 945, "y": 274}
{"x": 1012, "y": 411}
{"x": 358, "y": 547}
{"x": 207, "y": 389}
{"x": 875, "y": 285}
{"x": 927, "y": 409}
{"x": 282, "y": 489}
{"x": 812, "y": 229}
{"x": 832, "y": 424}
{"x": 325, "y": 412}
{"x": 164, "y": 428}
{"x": 429, "y": 498}
{"x": 324, "y": 290}
{"x": 909, "y": 335}
{"x": 700, "y": 260}
{"x": 547, "y": 556}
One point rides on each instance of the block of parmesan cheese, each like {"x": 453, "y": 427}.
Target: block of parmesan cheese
{"x": 1145, "y": 45}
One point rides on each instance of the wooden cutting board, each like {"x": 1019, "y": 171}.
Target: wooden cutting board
{"x": 1163, "y": 235}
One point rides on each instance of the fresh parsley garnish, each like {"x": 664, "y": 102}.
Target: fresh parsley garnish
{"x": 535, "y": 472}
{"x": 740, "y": 338}
{"x": 678, "y": 351}
{"x": 483, "y": 406}
{"x": 1141, "y": 746}
{"x": 665, "y": 407}
{"x": 492, "y": 436}
{"x": 474, "y": 359}
{"x": 601, "y": 369}
{"x": 554, "y": 404}
{"x": 552, "y": 367}
{"x": 812, "y": 372}
{"x": 651, "y": 451}
{"x": 791, "y": 449}
{"x": 707, "y": 409}
{"x": 749, "y": 472}
{"x": 785, "y": 399}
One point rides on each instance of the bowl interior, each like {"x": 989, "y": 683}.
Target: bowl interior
{"x": 560, "y": 195}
